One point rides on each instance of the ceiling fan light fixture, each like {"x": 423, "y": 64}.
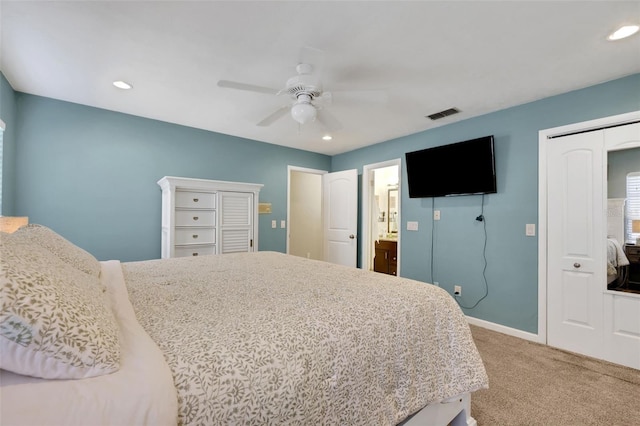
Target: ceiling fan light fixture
{"x": 303, "y": 112}
{"x": 327, "y": 138}
{"x": 623, "y": 32}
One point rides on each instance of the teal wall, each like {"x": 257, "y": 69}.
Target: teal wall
{"x": 91, "y": 174}
{"x": 8, "y": 115}
{"x": 458, "y": 239}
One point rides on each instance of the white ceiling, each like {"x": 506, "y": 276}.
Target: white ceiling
{"x": 427, "y": 56}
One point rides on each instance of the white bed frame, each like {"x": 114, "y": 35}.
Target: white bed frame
{"x": 453, "y": 412}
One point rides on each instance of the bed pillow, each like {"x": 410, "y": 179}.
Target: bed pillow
{"x": 55, "y": 322}
{"x": 58, "y": 245}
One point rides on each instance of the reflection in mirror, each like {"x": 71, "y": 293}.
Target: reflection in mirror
{"x": 623, "y": 253}
{"x": 385, "y": 223}
{"x": 392, "y": 211}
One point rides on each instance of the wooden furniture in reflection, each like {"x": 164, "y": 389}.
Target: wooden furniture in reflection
{"x": 633, "y": 254}
{"x": 386, "y": 258}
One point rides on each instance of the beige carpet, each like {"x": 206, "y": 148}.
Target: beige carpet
{"x": 533, "y": 384}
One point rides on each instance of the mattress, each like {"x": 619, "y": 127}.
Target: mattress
{"x": 268, "y": 338}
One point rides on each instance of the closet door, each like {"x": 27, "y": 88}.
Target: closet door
{"x": 236, "y": 221}
{"x": 576, "y": 244}
{"x": 622, "y": 310}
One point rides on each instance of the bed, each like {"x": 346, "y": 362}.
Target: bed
{"x": 243, "y": 338}
{"x": 617, "y": 262}
{"x": 617, "y": 265}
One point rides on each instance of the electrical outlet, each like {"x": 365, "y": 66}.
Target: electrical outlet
{"x": 457, "y": 290}
{"x": 273, "y": 224}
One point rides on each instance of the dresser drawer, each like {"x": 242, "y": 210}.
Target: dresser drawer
{"x": 195, "y": 236}
{"x": 195, "y": 200}
{"x": 195, "y": 218}
{"x": 192, "y": 251}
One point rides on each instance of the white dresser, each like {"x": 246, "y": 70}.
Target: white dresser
{"x": 201, "y": 216}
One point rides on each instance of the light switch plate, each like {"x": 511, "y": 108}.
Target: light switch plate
{"x": 283, "y": 223}
{"x": 412, "y": 226}
{"x": 436, "y": 215}
{"x": 273, "y": 224}
{"x": 530, "y": 230}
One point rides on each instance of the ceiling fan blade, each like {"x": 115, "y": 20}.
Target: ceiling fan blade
{"x": 274, "y": 116}
{"x": 248, "y": 87}
{"x": 324, "y": 100}
{"x": 328, "y": 120}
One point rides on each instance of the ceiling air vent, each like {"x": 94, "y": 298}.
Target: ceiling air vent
{"x": 443, "y": 114}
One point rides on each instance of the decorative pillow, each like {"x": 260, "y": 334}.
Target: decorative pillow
{"x": 64, "y": 249}
{"x": 55, "y": 321}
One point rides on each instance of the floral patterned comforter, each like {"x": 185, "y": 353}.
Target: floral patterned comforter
{"x": 267, "y": 338}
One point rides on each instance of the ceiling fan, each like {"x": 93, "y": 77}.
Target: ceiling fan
{"x": 308, "y": 100}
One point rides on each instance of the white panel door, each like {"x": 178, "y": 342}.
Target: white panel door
{"x": 576, "y": 273}
{"x": 340, "y": 205}
{"x": 236, "y": 221}
{"x": 622, "y": 328}
{"x": 622, "y": 310}
{"x": 622, "y": 137}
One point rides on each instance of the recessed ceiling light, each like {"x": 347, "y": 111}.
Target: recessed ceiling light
{"x": 122, "y": 85}
{"x": 623, "y": 32}
{"x": 327, "y": 138}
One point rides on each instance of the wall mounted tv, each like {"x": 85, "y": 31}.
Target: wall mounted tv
{"x": 463, "y": 168}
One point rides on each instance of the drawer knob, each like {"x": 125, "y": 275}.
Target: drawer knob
{"x": 196, "y": 218}
{"x": 195, "y": 200}
{"x": 194, "y": 254}
{"x": 195, "y": 235}
{"x": 576, "y": 265}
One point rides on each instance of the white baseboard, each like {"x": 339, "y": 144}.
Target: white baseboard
{"x": 506, "y": 330}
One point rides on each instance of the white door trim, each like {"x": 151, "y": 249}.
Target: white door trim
{"x": 366, "y": 254}
{"x": 544, "y": 136}
{"x": 289, "y": 170}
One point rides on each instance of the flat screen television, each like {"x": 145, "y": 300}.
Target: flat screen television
{"x": 462, "y": 168}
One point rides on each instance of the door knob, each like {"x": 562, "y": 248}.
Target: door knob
{"x": 351, "y": 237}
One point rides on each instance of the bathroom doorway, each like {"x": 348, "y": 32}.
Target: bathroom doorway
{"x": 381, "y": 216}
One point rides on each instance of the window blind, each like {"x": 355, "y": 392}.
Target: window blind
{"x": 633, "y": 204}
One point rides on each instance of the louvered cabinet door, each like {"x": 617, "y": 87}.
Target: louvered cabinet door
{"x": 236, "y": 221}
